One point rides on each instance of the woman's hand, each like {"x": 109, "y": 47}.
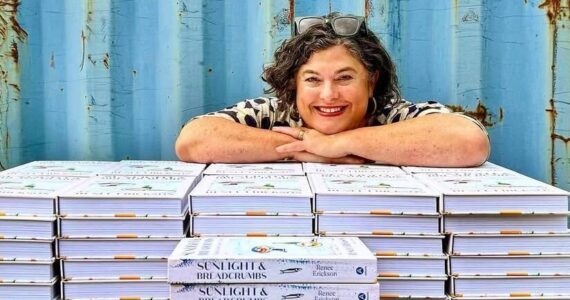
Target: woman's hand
{"x": 314, "y": 146}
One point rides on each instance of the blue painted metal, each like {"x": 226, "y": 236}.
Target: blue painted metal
{"x": 114, "y": 79}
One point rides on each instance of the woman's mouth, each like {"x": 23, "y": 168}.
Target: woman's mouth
{"x": 330, "y": 111}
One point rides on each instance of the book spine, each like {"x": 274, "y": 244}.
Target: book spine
{"x": 274, "y": 291}
{"x": 277, "y": 270}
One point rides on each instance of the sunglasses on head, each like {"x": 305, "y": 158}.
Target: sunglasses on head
{"x": 342, "y": 25}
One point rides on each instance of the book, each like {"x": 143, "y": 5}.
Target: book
{"x": 122, "y": 226}
{"x": 522, "y": 265}
{"x": 493, "y": 192}
{"x": 124, "y": 288}
{"x": 252, "y": 224}
{"x": 273, "y": 291}
{"x": 27, "y": 269}
{"x": 510, "y": 243}
{"x": 62, "y": 168}
{"x": 514, "y": 286}
{"x": 120, "y": 267}
{"x": 272, "y": 260}
{"x": 484, "y": 168}
{"x": 32, "y": 194}
{"x": 252, "y": 193}
{"x": 30, "y": 226}
{"x": 156, "y": 168}
{"x": 411, "y": 265}
{"x": 412, "y": 287}
{"x": 27, "y": 248}
{"x": 126, "y": 247}
{"x": 388, "y": 192}
{"x": 394, "y": 244}
{"x": 276, "y": 168}
{"x": 505, "y": 222}
{"x": 37, "y": 290}
{"x": 138, "y": 195}
{"x": 350, "y": 169}
{"x": 377, "y": 223}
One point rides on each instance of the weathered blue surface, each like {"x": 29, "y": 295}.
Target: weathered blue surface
{"x": 115, "y": 79}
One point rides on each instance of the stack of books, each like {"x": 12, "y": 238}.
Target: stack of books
{"x": 232, "y": 268}
{"x": 510, "y": 208}
{"x": 28, "y": 267}
{"x": 63, "y": 168}
{"x": 276, "y": 168}
{"x": 397, "y": 217}
{"x": 155, "y": 168}
{"x": 116, "y": 231}
{"x": 255, "y": 205}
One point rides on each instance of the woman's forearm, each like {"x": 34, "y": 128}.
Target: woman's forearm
{"x": 214, "y": 139}
{"x": 437, "y": 140}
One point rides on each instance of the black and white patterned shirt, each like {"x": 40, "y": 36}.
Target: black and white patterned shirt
{"x": 262, "y": 113}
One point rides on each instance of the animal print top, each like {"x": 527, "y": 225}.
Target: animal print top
{"x": 262, "y": 113}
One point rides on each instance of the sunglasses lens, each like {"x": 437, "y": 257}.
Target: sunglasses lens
{"x": 307, "y": 23}
{"x": 345, "y": 25}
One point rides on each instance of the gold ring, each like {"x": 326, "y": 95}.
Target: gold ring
{"x": 301, "y": 134}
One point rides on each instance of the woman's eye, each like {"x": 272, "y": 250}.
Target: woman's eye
{"x": 312, "y": 79}
{"x": 344, "y": 77}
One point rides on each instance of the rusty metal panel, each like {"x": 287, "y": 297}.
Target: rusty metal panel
{"x": 115, "y": 79}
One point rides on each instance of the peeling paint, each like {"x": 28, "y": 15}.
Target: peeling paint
{"x": 11, "y": 35}
{"x": 481, "y": 113}
{"x": 556, "y": 10}
{"x": 291, "y": 11}
{"x": 82, "y": 50}
{"x": 281, "y": 21}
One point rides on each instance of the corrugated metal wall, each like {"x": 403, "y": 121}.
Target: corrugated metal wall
{"x": 115, "y": 79}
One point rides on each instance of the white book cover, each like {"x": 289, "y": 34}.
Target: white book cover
{"x": 378, "y": 223}
{"x": 276, "y": 168}
{"x": 275, "y": 260}
{"x": 63, "y": 168}
{"x": 505, "y": 222}
{"x": 485, "y": 167}
{"x": 32, "y": 194}
{"x": 126, "y": 247}
{"x": 27, "y": 269}
{"x": 514, "y": 286}
{"x": 386, "y": 192}
{"x": 353, "y": 169}
{"x": 139, "y": 195}
{"x": 156, "y": 168}
{"x": 274, "y": 291}
{"x": 514, "y": 265}
{"x": 400, "y": 265}
{"x": 495, "y": 192}
{"x": 242, "y": 193}
{"x": 510, "y": 243}
{"x": 401, "y": 244}
{"x": 27, "y": 248}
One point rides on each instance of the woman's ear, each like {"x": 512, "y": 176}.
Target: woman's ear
{"x": 373, "y": 80}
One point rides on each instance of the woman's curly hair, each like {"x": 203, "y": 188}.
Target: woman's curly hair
{"x": 297, "y": 50}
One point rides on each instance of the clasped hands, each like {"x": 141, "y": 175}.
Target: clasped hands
{"x": 314, "y": 146}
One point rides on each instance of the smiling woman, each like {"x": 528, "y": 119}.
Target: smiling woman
{"x": 336, "y": 100}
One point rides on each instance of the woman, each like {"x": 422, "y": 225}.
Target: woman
{"x": 337, "y": 101}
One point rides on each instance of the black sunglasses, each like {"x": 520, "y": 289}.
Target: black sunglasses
{"x": 342, "y": 25}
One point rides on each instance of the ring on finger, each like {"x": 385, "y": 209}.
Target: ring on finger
{"x": 301, "y": 134}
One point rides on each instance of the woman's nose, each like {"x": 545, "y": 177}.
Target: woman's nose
{"x": 329, "y": 91}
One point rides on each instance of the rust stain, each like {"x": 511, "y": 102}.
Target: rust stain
{"x": 367, "y": 5}
{"x": 14, "y": 53}
{"x": 481, "y": 113}
{"x": 15, "y": 86}
{"x": 106, "y": 61}
{"x": 291, "y": 11}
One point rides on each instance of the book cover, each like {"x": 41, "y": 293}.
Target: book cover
{"x": 30, "y": 226}
{"x": 123, "y": 247}
{"x": 386, "y": 192}
{"x": 274, "y": 291}
{"x": 156, "y": 168}
{"x": 252, "y": 223}
{"x": 400, "y": 244}
{"x": 30, "y": 290}
{"x": 32, "y": 194}
{"x": 378, "y": 223}
{"x": 62, "y": 168}
{"x": 130, "y": 287}
{"x": 276, "y": 260}
{"x": 242, "y": 193}
{"x": 27, "y": 248}
{"x": 113, "y": 267}
{"x": 112, "y": 194}
{"x": 17, "y": 269}
{"x": 514, "y": 264}
{"x": 412, "y": 287}
{"x": 276, "y": 168}
{"x": 510, "y": 242}
{"x": 352, "y": 169}
{"x": 513, "y": 286}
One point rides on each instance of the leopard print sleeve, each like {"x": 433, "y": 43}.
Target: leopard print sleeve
{"x": 259, "y": 112}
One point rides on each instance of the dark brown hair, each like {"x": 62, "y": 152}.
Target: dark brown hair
{"x": 297, "y": 50}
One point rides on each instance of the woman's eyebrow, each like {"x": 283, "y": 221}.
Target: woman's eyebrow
{"x": 346, "y": 69}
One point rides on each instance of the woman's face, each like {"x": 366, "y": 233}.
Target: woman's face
{"x": 333, "y": 88}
